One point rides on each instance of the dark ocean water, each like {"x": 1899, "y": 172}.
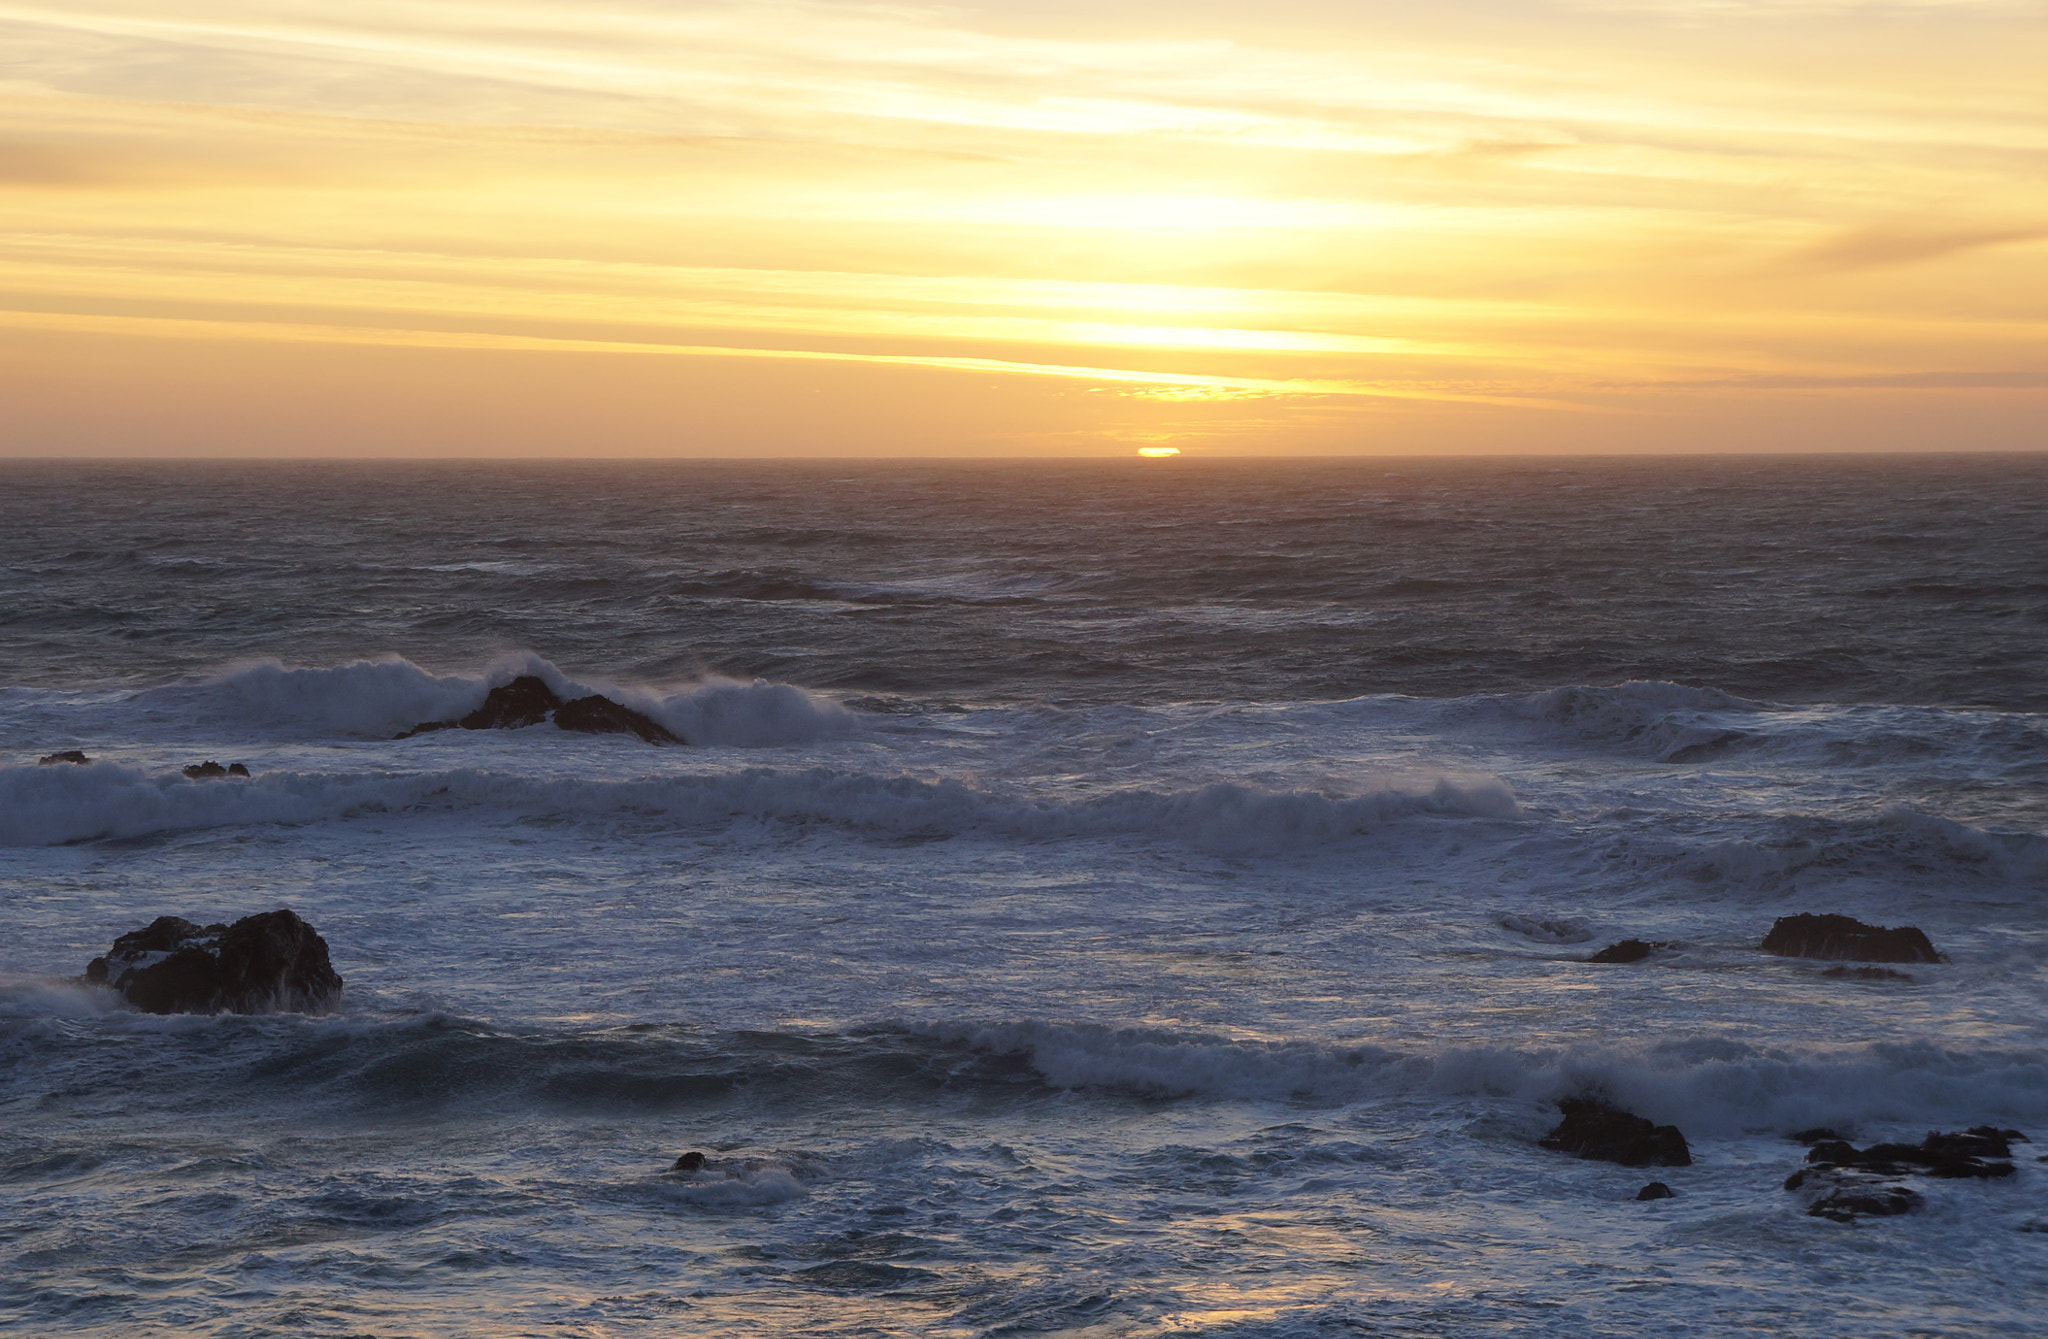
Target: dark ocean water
{"x": 1096, "y": 899}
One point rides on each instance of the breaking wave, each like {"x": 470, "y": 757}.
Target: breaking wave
{"x": 47, "y": 806}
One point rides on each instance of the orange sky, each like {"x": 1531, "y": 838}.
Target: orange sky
{"x": 656, "y": 227}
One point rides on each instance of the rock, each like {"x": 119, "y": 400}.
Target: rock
{"x": 1866, "y": 974}
{"x": 595, "y": 715}
{"x": 1814, "y": 1136}
{"x": 1628, "y": 950}
{"x": 237, "y": 769}
{"x": 1593, "y": 1129}
{"x": 205, "y": 771}
{"x": 1844, "y": 937}
{"x": 513, "y": 706}
{"x": 1950, "y": 1156}
{"x": 1852, "y": 1202}
{"x": 689, "y": 1162}
{"x": 268, "y": 963}
{"x": 75, "y": 756}
{"x": 529, "y": 701}
{"x": 1656, "y": 1190}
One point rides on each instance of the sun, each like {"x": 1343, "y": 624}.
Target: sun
{"x": 1158, "y": 452}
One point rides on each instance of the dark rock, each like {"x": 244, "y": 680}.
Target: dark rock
{"x": 238, "y": 769}
{"x": 513, "y": 706}
{"x": 1844, "y": 937}
{"x": 1628, "y": 950}
{"x": 205, "y": 771}
{"x": 1950, "y": 1156}
{"x": 76, "y": 756}
{"x": 689, "y": 1162}
{"x": 1656, "y": 1190}
{"x": 1852, "y": 1202}
{"x": 595, "y": 715}
{"x": 529, "y": 701}
{"x": 260, "y": 964}
{"x": 1593, "y": 1129}
{"x": 1814, "y": 1136}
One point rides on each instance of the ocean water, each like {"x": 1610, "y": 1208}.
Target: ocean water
{"x": 1095, "y": 899}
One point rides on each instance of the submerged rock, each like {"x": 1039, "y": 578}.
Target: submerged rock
{"x": 273, "y": 962}
{"x": 1593, "y": 1129}
{"x": 1845, "y": 937}
{"x": 74, "y": 756}
{"x": 1951, "y": 1156}
{"x": 1628, "y": 950}
{"x": 527, "y": 700}
{"x": 1852, "y": 1202}
{"x": 689, "y": 1162}
{"x": 1656, "y": 1190}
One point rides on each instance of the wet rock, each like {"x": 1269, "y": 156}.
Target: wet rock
{"x": 595, "y": 715}
{"x": 689, "y": 1162}
{"x": 1852, "y": 1202}
{"x": 1656, "y": 1190}
{"x": 74, "y": 756}
{"x": 1974, "y": 1154}
{"x": 527, "y": 700}
{"x": 1866, "y": 974}
{"x": 1628, "y": 950}
{"x": 209, "y": 771}
{"x": 1846, "y": 938}
{"x": 1593, "y": 1129}
{"x": 513, "y": 706}
{"x": 273, "y": 962}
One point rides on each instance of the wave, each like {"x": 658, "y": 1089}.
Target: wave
{"x": 1669, "y": 722}
{"x": 1896, "y": 845}
{"x": 376, "y": 699}
{"x": 1710, "y": 1086}
{"x": 48, "y": 806}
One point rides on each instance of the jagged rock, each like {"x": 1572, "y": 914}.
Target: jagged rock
{"x": 1593, "y": 1129}
{"x": 689, "y": 1162}
{"x": 1628, "y": 950}
{"x": 1844, "y": 937}
{"x": 1852, "y": 1202}
{"x": 205, "y": 771}
{"x": 1656, "y": 1190}
{"x": 595, "y": 715}
{"x": 261, "y": 964}
{"x": 527, "y": 700}
{"x": 74, "y": 756}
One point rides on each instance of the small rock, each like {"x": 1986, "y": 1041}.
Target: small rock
{"x": 205, "y": 771}
{"x": 1844, "y": 937}
{"x": 237, "y": 769}
{"x": 74, "y": 756}
{"x": 1593, "y": 1129}
{"x": 1628, "y": 950}
{"x": 1850, "y": 1203}
{"x": 689, "y": 1162}
{"x": 1656, "y": 1190}
{"x": 527, "y": 700}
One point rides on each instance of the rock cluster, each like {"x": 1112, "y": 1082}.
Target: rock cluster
{"x": 527, "y": 700}
{"x": 1853, "y": 1183}
{"x": 213, "y": 771}
{"x": 1846, "y": 938}
{"x": 75, "y": 756}
{"x": 269, "y": 963}
{"x": 1594, "y": 1129}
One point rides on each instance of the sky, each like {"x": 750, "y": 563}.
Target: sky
{"x": 668, "y": 228}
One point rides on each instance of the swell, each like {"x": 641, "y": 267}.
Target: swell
{"x": 47, "y": 806}
{"x": 434, "y": 1063}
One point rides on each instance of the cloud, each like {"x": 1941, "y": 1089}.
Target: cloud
{"x": 1895, "y": 244}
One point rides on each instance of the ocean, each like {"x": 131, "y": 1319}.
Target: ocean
{"x": 1108, "y": 899}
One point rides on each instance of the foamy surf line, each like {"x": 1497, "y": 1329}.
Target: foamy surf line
{"x": 49, "y": 806}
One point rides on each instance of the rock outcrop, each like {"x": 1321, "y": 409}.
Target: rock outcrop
{"x": 74, "y": 756}
{"x": 1845, "y": 938}
{"x": 1628, "y": 950}
{"x": 1593, "y": 1129}
{"x": 213, "y": 771}
{"x": 1656, "y": 1190}
{"x": 527, "y": 700}
{"x": 1847, "y": 1183}
{"x": 268, "y": 963}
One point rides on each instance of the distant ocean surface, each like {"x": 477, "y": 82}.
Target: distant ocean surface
{"x": 1095, "y": 899}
